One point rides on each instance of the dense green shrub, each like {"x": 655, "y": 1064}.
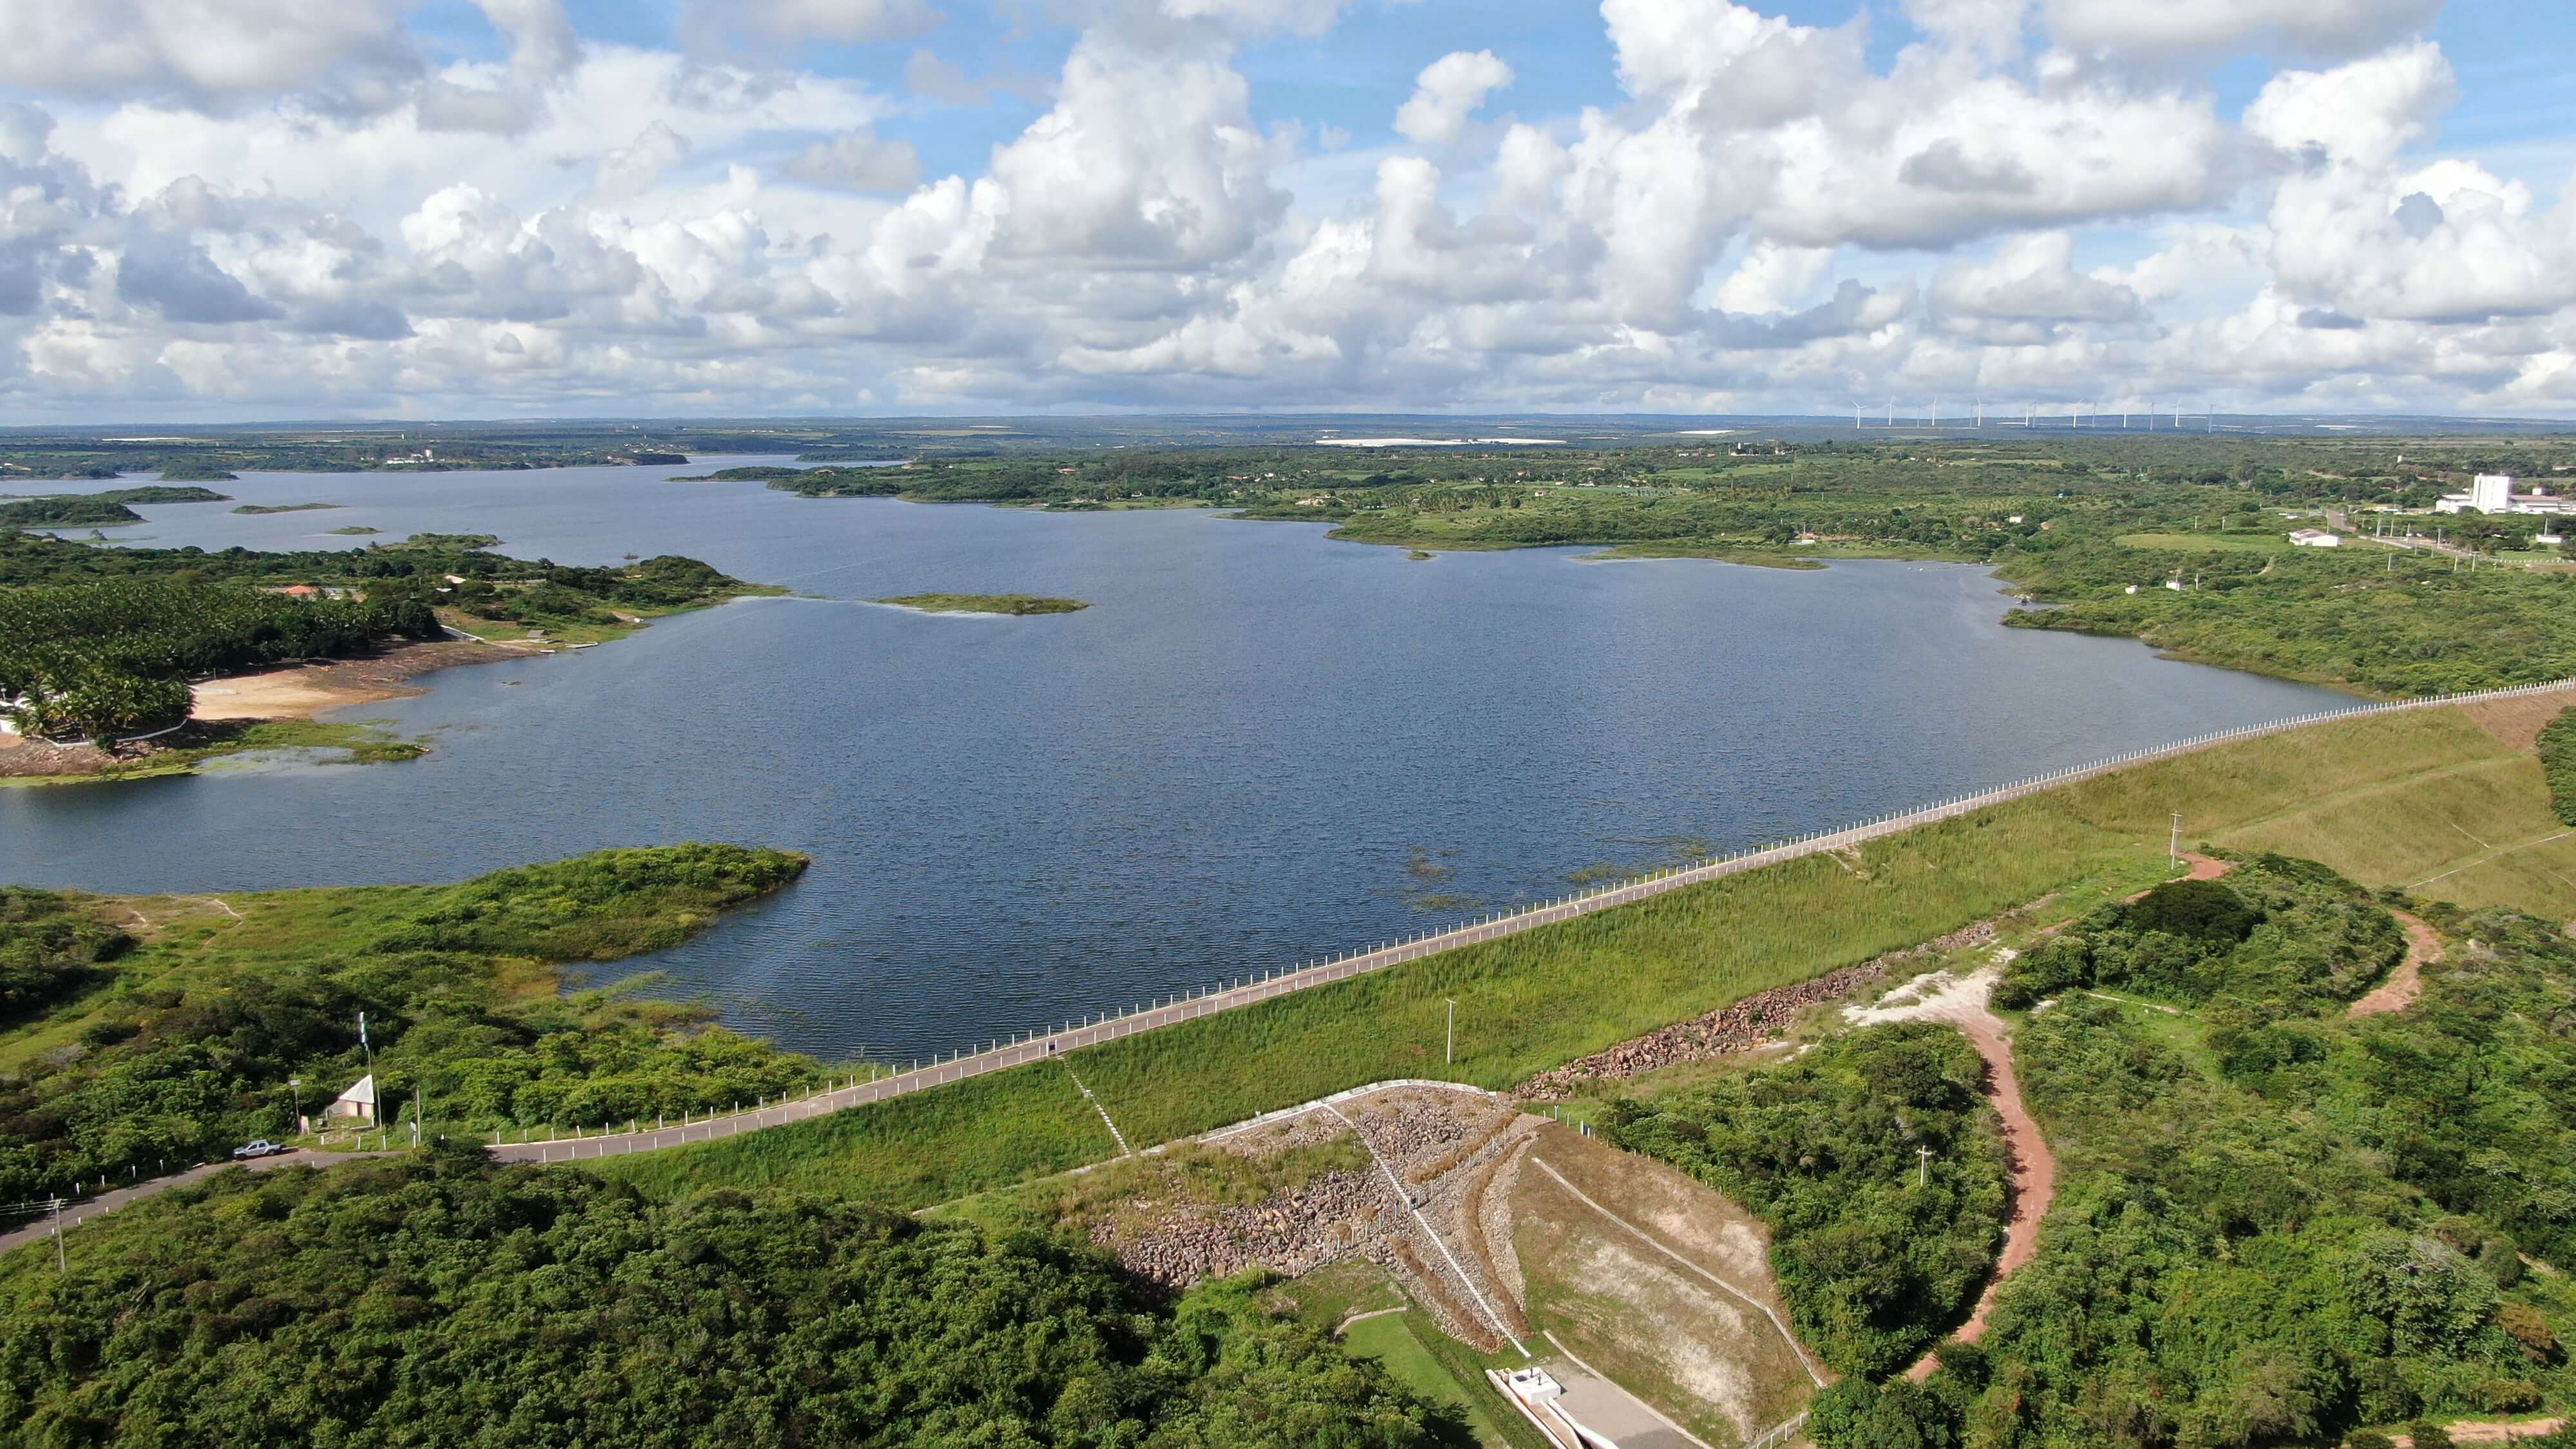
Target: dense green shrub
{"x": 2558, "y": 757}
{"x": 441, "y": 1301}
{"x": 1879, "y": 1246}
{"x": 2275, "y": 935}
{"x": 48, "y": 952}
{"x": 2240, "y": 1257}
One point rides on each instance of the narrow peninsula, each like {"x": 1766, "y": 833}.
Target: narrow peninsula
{"x": 1009, "y": 604}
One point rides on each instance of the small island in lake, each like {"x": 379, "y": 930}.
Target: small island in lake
{"x": 285, "y": 507}
{"x": 1016, "y": 604}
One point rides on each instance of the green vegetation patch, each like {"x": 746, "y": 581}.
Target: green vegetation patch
{"x": 2277, "y": 936}
{"x": 1878, "y": 1246}
{"x": 355, "y": 530}
{"x": 439, "y": 1300}
{"x": 112, "y": 657}
{"x": 2280, "y": 1247}
{"x": 95, "y": 510}
{"x": 164, "y": 1030}
{"x": 2558, "y": 760}
{"x": 286, "y": 507}
{"x": 1014, "y": 604}
{"x": 101, "y": 641}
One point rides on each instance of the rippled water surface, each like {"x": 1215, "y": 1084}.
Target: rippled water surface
{"x": 1259, "y": 745}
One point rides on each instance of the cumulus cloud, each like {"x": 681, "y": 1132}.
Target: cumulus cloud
{"x": 1758, "y": 215}
{"x": 1447, "y": 92}
{"x": 2363, "y": 113}
{"x": 201, "y": 49}
{"x": 2032, "y": 279}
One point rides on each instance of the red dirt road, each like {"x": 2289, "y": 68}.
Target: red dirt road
{"x": 2034, "y": 1170}
{"x": 2398, "y": 992}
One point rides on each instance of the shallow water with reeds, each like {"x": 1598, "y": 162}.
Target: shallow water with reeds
{"x": 1258, "y": 746}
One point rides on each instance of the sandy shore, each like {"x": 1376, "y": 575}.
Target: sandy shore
{"x": 306, "y": 690}
{"x": 224, "y": 707}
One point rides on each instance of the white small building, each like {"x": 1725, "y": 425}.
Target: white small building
{"x": 2493, "y": 493}
{"x": 2316, "y": 538}
{"x": 356, "y": 1104}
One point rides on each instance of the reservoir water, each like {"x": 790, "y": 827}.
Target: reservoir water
{"x": 1259, "y": 746}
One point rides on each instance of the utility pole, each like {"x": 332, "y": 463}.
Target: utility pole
{"x": 1451, "y": 1056}
{"x": 291, "y": 1114}
{"x": 58, "y": 1237}
{"x": 2175, "y": 851}
{"x": 1923, "y": 1177}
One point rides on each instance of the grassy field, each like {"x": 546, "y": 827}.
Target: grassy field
{"x": 2367, "y": 796}
{"x": 2209, "y": 542}
{"x": 1398, "y": 1340}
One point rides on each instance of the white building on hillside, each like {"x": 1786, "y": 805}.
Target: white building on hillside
{"x": 2316, "y": 538}
{"x": 2493, "y": 493}
{"x": 358, "y": 1102}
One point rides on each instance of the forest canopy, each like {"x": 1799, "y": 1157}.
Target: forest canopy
{"x": 442, "y": 1301}
{"x": 2282, "y": 1245}
{"x": 1878, "y": 1167}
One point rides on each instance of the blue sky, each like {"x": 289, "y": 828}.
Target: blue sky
{"x": 243, "y": 208}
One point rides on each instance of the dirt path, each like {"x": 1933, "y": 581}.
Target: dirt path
{"x": 2398, "y": 992}
{"x": 1962, "y": 1003}
{"x": 2034, "y": 1172}
{"x": 2481, "y": 1431}
{"x": 2202, "y": 868}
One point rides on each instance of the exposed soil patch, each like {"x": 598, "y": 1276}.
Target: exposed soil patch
{"x": 2517, "y": 722}
{"x": 2202, "y": 868}
{"x": 305, "y": 690}
{"x": 1659, "y": 1283}
{"x": 2406, "y": 983}
{"x": 2474, "y": 1431}
{"x": 23, "y": 758}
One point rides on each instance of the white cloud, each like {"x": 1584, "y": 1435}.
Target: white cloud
{"x": 639, "y": 163}
{"x": 2032, "y": 279}
{"x": 1992, "y": 26}
{"x": 2182, "y": 27}
{"x": 1764, "y": 215}
{"x": 1773, "y": 277}
{"x": 2363, "y": 113}
{"x": 198, "y": 48}
{"x": 1447, "y": 92}
{"x": 839, "y": 20}
{"x": 860, "y": 160}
